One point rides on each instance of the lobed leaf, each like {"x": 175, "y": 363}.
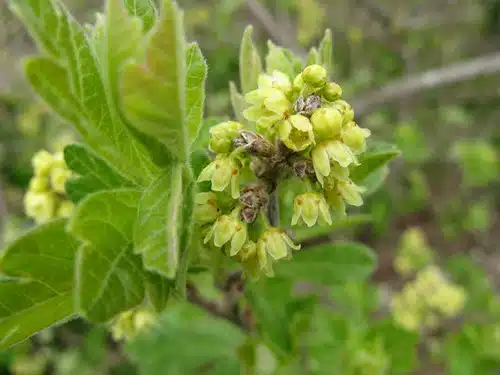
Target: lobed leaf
{"x": 32, "y": 296}
{"x": 109, "y": 278}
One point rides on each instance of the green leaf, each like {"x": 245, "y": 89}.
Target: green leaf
{"x": 187, "y": 341}
{"x": 250, "y": 62}
{"x": 156, "y": 233}
{"x": 376, "y": 157}
{"x": 313, "y": 57}
{"x": 33, "y": 296}
{"x": 195, "y": 89}
{"x": 145, "y": 10}
{"x": 375, "y": 180}
{"x": 237, "y": 102}
{"x": 99, "y": 124}
{"x": 158, "y": 290}
{"x": 326, "y": 51}
{"x": 277, "y": 59}
{"x": 110, "y": 278}
{"x": 301, "y": 234}
{"x": 154, "y": 97}
{"x": 50, "y": 80}
{"x": 329, "y": 263}
{"x": 268, "y": 298}
{"x": 95, "y": 174}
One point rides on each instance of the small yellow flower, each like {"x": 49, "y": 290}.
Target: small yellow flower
{"x": 65, "y": 209}
{"x": 223, "y": 172}
{"x": 355, "y": 137}
{"x": 222, "y": 136}
{"x": 58, "y": 178}
{"x": 228, "y": 228}
{"x": 39, "y": 184}
{"x": 350, "y": 192}
{"x": 309, "y": 208}
{"x": 275, "y": 243}
{"x": 40, "y": 206}
{"x": 42, "y": 163}
{"x": 327, "y": 122}
{"x": 206, "y": 210}
{"x": 296, "y": 132}
{"x": 315, "y": 75}
{"x": 325, "y": 152}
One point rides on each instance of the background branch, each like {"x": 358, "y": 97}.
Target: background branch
{"x": 412, "y": 84}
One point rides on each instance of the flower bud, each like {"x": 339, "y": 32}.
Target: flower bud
{"x": 42, "y": 163}
{"x": 58, "y": 178}
{"x": 65, "y": 209}
{"x": 350, "y": 192}
{"x": 40, "y": 206}
{"x": 276, "y": 243}
{"x": 205, "y": 209}
{"x": 296, "y": 132}
{"x": 39, "y": 184}
{"x": 331, "y": 91}
{"x": 355, "y": 137}
{"x": 344, "y": 108}
{"x": 222, "y": 172}
{"x": 309, "y": 208}
{"x": 315, "y": 75}
{"x": 298, "y": 82}
{"x": 327, "y": 122}
{"x": 222, "y": 136}
{"x": 227, "y": 228}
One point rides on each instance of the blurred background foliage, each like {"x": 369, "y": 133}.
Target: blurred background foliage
{"x": 423, "y": 74}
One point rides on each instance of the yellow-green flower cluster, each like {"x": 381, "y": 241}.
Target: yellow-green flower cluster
{"x": 130, "y": 323}
{"x": 45, "y": 198}
{"x": 414, "y": 252}
{"x": 301, "y": 124}
{"x": 424, "y": 302}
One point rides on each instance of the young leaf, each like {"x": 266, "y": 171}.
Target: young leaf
{"x": 313, "y": 57}
{"x": 376, "y": 157}
{"x": 95, "y": 174}
{"x": 237, "y": 102}
{"x": 250, "y": 63}
{"x": 109, "y": 278}
{"x": 277, "y": 59}
{"x": 33, "y": 296}
{"x": 329, "y": 263}
{"x": 154, "y": 95}
{"x": 145, "y": 10}
{"x": 195, "y": 89}
{"x": 156, "y": 233}
{"x": 100, "y": 125}
{"x": 187, "y": 341}
{"x": 326, "y": 51}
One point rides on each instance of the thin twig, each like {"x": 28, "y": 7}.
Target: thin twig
{"x": 415, "y": 83}
{"x": 277, "y": 32}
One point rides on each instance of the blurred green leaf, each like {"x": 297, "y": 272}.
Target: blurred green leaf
{"x": 145, "y": 10}
{"x": 313, "y": 56}
{"x": 32, "y": 296}
{"x": 195, "y": 90}
{"x": 110, "y": 278}
{"x": 156, "y": 232}
{"x": 158, "y": 290}
{"x": 154, "y": 94}
{"x": 250, "y": 62}
{"x": 187, "y": 341}
{"x": 329, "y": 263}
{"x": 375, "y": 157}
{"x": 237, "y": 102}
{"x": 94, "y": 173}
{"x": 326, "y": 51}
{"x": 277, "y": 59}
{"x": 301, "y": 234}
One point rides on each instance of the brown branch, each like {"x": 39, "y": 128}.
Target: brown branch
{"x": 415, "y": 83}
{"x": 276, "y": 31}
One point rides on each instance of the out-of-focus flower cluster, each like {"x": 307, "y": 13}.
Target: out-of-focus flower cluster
{"x": 414, "y": 252}
{"x": 130, "y": 323}
{"x": 424, "y": 302}
{"x": 46, "y": 198}
{"x": 295, "y": 126}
